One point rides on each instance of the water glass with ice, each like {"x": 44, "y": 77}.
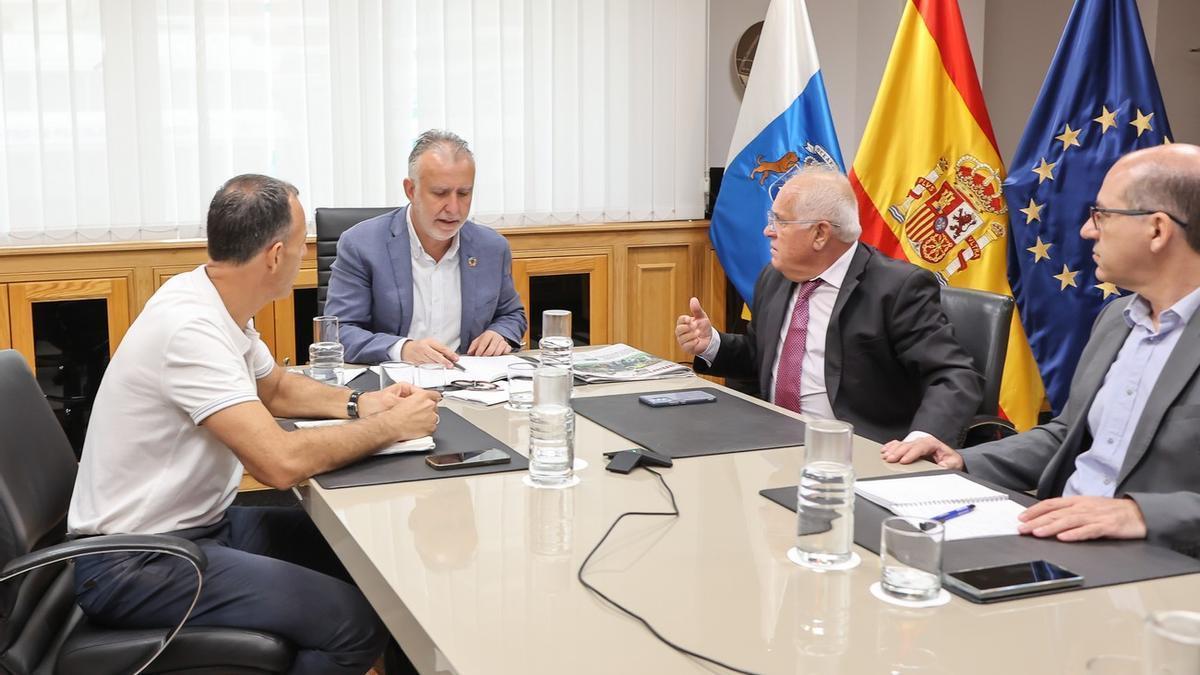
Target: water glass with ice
{"x": 910, "y": 551}
{"x": 326, "y": 354}
{"x": 551, "y": 429}
{"x": 520, "y": 386}
{"x": 825, "y": 497}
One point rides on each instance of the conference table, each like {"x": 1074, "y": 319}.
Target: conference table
{"x": 478, "y": 574}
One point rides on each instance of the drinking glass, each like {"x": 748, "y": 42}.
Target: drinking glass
{"x": 325, "y": 354}
{"x": 1172, "y": 643}
{"x": 431, "y": 376}
{"x": 825, "y": 497}
{"x": 395, "y": 372}
{"x": 551, "y": 429}
{"x": 520, "y": 386}
{"x": 910, "y": 551}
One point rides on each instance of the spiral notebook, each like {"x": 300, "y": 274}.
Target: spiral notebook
{"x": 928, "y": 496}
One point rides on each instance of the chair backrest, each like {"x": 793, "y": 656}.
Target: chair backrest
{"x": 981, "y": 322}
{"x": 331, "y": 223}
{"x": 37, "y": 475}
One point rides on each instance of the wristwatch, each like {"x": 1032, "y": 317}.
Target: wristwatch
{"x": 352, "y": 405}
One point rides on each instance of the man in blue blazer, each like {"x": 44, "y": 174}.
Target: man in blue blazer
{"x": 423, "y": 284}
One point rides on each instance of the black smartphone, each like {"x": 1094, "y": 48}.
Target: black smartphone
{"x": 462, "y": 460}
{"x": 1003, "y": 581}
{"x": 676, "y": 398}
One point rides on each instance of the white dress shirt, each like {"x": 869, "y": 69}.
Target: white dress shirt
{"x": 814, "y": 396}
{"x": 437, "y": 295}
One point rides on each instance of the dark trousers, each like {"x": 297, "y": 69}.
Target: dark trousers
{"x": 269, "y": 569}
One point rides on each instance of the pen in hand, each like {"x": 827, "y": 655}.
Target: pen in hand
{"x": 962, "y": 511}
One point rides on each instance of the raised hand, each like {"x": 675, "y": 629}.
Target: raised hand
{"x": 693, "y": 331}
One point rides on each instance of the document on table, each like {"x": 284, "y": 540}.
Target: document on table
{"x": 489, "y": 397}
{"x": 928, "y": 496}
{"x": 483, "y": 368}
{"x": 399, "y": 447}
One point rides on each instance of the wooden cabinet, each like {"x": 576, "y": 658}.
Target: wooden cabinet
{"x": 593, "y": 266}
{"x": 22, "y": 296}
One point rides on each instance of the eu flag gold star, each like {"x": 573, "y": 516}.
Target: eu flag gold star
{"x": 1045, "y": 171}
{"x": 1067, "y": 278}
{"x": 1109, "y": 288}
{"x": 1040, "y": 251}
{"x": 1107, "y": 119}
{"x": 1033, "y": 213}
{"x": 1069, "y": 137}
{"x": 1142, "y": 122}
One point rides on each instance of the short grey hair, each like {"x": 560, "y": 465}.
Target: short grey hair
{"x": 437, "y": 138}
{"x": 824, "y": 192}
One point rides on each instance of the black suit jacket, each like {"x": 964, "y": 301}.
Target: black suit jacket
{"x": 892, "y": 363}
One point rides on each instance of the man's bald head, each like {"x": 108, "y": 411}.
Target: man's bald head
{"x": 1166, "y": 178}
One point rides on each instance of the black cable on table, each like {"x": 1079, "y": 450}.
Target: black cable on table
{"x": 674, "y": 512}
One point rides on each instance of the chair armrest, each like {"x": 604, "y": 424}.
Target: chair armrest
{"x": 108, "y": 543}
{"x": 118, "y": 543}
{"x": 984, "y": 429}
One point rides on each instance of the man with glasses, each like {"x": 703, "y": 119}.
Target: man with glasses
{"x": 1121, "y": 460}
{"x": 841, "y": 330}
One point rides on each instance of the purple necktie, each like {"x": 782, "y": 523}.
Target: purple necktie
{"x": 791, "y": 359}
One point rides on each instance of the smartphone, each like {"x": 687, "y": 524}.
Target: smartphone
{"x": 1003, "y": 581}
{"x": 462, "y": 460}
{"x": 676, "y": 398}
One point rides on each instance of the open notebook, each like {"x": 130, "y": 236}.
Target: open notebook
{"x": 928, "y": 496}
{"x": 415, "y": 445}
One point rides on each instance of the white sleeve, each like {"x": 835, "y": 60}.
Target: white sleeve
{"x": 714, "y": 345}
{"x": 203, "y": 372}
{"x": 264, "y": 363}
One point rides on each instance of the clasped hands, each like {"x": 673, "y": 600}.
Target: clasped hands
{"x": 428, "y": 350}
{"x": 1066, "y": 518}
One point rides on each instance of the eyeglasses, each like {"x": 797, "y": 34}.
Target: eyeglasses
{"x": 1100, "y": 215}
{"x": 473, "y": 385}
{"x": 773, "y": 222}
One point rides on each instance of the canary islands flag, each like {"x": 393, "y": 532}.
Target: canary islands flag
{"x": 928, "y": 176}
{"x": 1100, "y": 100}
{"x": 784, "y": 122}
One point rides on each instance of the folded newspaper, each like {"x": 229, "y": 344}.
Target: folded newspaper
{"x": 622, "y": 363}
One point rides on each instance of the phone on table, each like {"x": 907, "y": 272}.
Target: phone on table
{"x": 1003, "y": 581}
{"x": 676, "y": 398}
{"x": 463, "y": 460}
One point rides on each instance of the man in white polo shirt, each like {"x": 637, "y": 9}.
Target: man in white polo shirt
{"x": 188, "y": 400}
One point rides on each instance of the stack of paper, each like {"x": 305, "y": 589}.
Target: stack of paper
{"x": 928, "y": 496}
{"x": 415, "y": 445}
{"x": 483, "y": 368}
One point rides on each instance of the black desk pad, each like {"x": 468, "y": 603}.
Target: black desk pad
{"x": 729, "y": 424}
{"x": 1102, "y": 562}
{"x": 454, "y": 434}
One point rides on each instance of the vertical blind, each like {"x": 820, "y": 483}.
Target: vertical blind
{"x": 120, "y": 118}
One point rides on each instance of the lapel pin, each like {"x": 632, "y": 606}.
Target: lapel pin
{"x": 472, "y": 261}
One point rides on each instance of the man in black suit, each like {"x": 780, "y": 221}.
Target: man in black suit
{"x": 841, "y": 330}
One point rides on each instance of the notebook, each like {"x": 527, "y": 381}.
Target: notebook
{"x": 928, "y": 496}
{"x": 415, "y": 445}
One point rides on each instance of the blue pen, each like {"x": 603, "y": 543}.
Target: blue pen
{"x": 955, "y": 513}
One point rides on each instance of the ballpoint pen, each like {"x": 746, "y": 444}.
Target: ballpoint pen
{"x": 962, "y": 511}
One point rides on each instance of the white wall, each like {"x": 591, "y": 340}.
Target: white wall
{"x": 1012, "y": 42}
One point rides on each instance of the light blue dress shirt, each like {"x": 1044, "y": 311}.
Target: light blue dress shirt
{"x": 1118, "y": 406}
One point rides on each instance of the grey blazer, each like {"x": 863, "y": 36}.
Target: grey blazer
{"x": 1161, "y": 471}
{"x": 371, "y": 286}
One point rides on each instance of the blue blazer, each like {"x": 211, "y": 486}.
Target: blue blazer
{"x": 371, "y": 286}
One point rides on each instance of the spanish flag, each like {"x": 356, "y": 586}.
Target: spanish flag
{"x": 928, "y": 176}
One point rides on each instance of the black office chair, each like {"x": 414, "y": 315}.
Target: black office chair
{"x": 981, "y": 322}
{"x": 331, "y": 223}
{"x": 42, "y": 629}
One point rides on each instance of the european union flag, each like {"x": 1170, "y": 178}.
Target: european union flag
{"x": 1100, "y": 100}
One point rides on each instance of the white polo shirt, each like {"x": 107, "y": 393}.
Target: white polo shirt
{"x": 148, "y": 466}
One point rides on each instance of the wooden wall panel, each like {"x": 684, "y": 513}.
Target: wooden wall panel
{"x": 5, "y": 338}
{"x": 658, "y": 292}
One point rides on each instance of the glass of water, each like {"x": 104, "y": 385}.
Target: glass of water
{"x": 825, "y": 497}
{"x": 551, "y": 429}
{"x": 1172, "y": 644}
{"x": 431, "y": 376}
{"x": 520, "y": 386}
{"x": 910, "y": 551}
{"x": 325, "y": 354}
{"x": 395, "y": 372}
